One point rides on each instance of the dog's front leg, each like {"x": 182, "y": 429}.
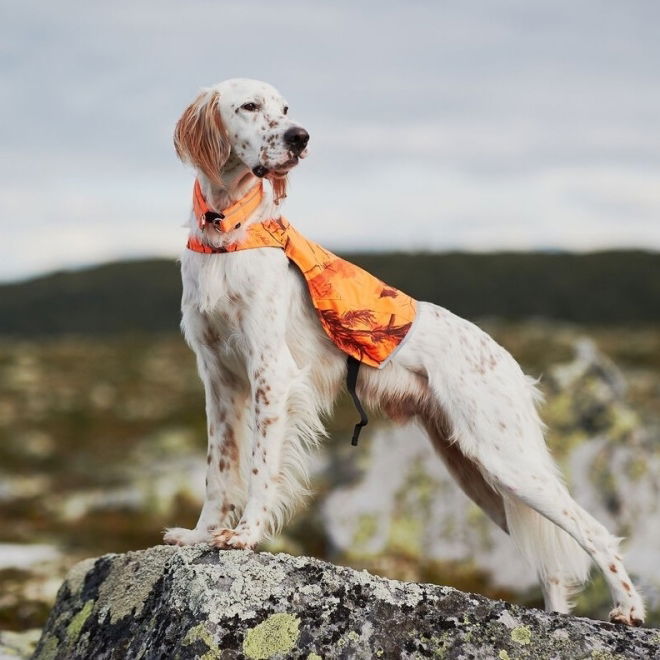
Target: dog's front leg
{"x": 225, "y": 491}
{"x": 271, "y": 376}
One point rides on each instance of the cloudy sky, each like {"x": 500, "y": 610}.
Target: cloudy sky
{"x": 474, "y": 125}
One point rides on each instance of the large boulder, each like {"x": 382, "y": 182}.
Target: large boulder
{"x": 199, "y": 602}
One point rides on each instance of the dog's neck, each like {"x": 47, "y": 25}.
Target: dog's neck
{"x": 237, "y": 181}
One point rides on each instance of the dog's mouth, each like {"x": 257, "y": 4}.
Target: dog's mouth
{"x": 281, "y": 169}
{"x": 284, "y": 168}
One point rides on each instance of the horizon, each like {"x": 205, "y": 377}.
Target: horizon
{"x": 78, "y": 268}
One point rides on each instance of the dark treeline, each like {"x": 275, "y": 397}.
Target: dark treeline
{"x": 143, "y": 296}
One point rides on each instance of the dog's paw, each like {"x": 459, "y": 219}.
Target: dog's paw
{"x": 230, "y": 538}
{"x": 181, "y": 536}
{"x": 627, "y": 616}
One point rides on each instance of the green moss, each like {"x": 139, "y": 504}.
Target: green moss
{"x": 78, "y": 621}
{"x": 521, "y": 635}
{"x": 277, "y": 634}
{"x": 503, "y": 655}
{"x": 314, "y": 656}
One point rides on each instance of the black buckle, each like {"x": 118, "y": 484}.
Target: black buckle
{"x": 213, "y": 218}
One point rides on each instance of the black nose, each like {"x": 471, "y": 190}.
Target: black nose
{"x": 296, "y": 139}
{"x": 259, "y": 171}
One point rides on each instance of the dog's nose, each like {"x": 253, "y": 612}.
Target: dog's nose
{"x": 296, "y": 139}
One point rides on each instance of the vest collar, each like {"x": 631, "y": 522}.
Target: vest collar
{"x": 231, "y": 217}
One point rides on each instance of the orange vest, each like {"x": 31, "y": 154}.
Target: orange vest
{"x": 364, "y": 317}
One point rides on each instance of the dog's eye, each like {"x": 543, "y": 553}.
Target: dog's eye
{"x": 250, "y": 107}
{"x": 285, "y": 109}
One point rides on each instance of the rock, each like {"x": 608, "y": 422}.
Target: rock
{"x": 198, "y": 602}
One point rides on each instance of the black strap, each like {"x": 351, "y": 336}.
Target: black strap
{"x": 352, "y": 368}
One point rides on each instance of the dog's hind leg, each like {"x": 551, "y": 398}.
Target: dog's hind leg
{"x": 517, "y": 465}
{"x": 489, "y": 405}
{"x": 466, "y": 472}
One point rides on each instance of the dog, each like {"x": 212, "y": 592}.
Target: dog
{"x": 270, "y": 372}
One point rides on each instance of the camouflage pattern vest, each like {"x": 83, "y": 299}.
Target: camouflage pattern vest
{"x": 365, "y": 318}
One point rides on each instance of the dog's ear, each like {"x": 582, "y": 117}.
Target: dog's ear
{"x": 200, "y": 137}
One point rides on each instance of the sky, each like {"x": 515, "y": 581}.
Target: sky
{"x": 479, "y": 125}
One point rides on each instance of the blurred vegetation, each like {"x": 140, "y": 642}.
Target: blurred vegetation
{"x": 94, "y": 433}
{"x": 102, "y": 415}
{"x": 143, "y": 296}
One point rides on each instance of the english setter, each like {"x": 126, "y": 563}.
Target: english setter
{"x": 270, "y": 373}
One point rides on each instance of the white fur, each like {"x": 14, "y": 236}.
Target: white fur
{"x": 270, "y": 373}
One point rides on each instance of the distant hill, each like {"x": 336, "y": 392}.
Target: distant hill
{"x": 143, "y": 296}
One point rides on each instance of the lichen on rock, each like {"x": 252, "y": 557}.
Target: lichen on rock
{"x": 277, "y": 634}
{"x": 198, "y": 602}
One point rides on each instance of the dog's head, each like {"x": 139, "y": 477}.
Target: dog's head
{"x": 240, "y": 123}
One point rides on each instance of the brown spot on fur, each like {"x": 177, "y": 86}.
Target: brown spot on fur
{"x": 222, "y": 465}
{"x": 261, "y": 395}
{"x": 227, "y": 508}
{"x": 208, "y": 459}
{"x": 264, "y": 424}
{"x": 626, "y": 586}
{"x": 255, "y": 471}
{"x": 612, "y": 568}
{"x": 230, "y": 445}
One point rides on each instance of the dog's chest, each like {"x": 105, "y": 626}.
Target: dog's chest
{"x": 229, "y": 291}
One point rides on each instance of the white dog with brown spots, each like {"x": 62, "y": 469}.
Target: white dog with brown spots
{"x": 270, "y": 373}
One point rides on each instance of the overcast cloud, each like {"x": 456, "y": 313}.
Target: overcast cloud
{"x": 435, "y": 125}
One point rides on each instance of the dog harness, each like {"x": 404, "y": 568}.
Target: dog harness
{"x": 365, "y": 318}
